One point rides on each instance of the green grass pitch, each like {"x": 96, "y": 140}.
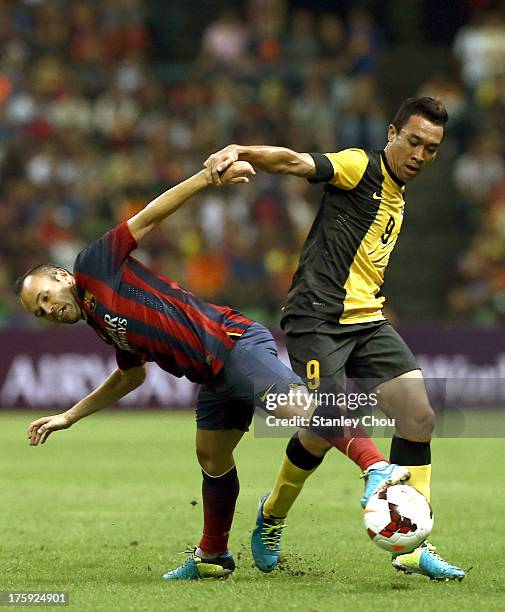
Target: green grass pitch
{"x": 103, "y": 509}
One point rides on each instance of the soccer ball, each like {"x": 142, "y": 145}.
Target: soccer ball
{"x": 398, "y": 518}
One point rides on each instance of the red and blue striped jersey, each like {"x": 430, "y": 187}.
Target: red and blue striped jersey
{"x": 148, "y": 317}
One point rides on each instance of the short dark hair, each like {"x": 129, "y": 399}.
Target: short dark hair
{"x": 49, "y": 269}
{"x": 432, "y": 109}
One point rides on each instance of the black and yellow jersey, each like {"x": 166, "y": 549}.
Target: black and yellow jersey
{"x": 343, "y": 260}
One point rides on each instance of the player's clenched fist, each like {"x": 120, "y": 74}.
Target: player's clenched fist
{"x": 237, "y": 172}
{"x": 218, "y": 162}
{"x": 39, "y": 430}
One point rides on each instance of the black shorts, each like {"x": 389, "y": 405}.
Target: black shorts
{"x": 252, "y": 368}
{"x": 368, "y": 353}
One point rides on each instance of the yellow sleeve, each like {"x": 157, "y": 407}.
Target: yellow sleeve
{"x": 349, "y": 166}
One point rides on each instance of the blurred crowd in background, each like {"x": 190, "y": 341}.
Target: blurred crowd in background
{"x": 479, "y": 172}
{"x": 91, "y": 128}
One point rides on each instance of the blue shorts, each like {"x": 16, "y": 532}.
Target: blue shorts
{"x": 252, "y": 368}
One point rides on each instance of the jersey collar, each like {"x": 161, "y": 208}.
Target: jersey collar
{"x": 390, "y": 172}
{"x": 79, "y": 296}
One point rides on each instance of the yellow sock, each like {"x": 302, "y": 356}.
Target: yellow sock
{"x": 420, "y": 478}
{"x": 289, "y": 483}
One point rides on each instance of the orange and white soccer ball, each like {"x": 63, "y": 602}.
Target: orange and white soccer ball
{"x": 398, "y": 518}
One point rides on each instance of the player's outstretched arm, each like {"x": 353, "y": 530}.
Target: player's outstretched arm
{"x": 167, "y": 203}
{"x": 276, "y": 160}
{"x": 116, "y": 386}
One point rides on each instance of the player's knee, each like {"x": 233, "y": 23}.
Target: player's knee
{"x": 213, "y": 463}
{"x": 422, "y": 421}
{"x": 427, "y": 420}
{"x": 299, "y": 403}
{"x": 206, "y": 459}
{"x": 314, "y": 444}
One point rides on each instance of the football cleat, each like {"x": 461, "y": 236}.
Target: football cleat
{"x": 424, "y": 560}
{"x": 266, "y": 540}
{"x": 390, "y": 474}
{"x": 195, "y": 568}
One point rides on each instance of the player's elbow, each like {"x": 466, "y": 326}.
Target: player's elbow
{"x": 299, "y": 164}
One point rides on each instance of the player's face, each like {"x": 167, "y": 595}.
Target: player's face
{"x": 51, "y": 299}
{"x": 413, "y": 147}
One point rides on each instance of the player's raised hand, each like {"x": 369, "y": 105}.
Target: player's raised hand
{"x": 218, "y": 162}
{"x": 40, "y": 430}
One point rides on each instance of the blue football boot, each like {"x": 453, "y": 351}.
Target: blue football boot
{"x": 266, "y": 540}
{"x": 390, "y": 474}
{"x": 195, "y": 568}
{"x": 424, "y": 560}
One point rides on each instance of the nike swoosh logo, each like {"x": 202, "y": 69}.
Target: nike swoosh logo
{"x": 376, "y": 197}
{"x": 264, "y": 396}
